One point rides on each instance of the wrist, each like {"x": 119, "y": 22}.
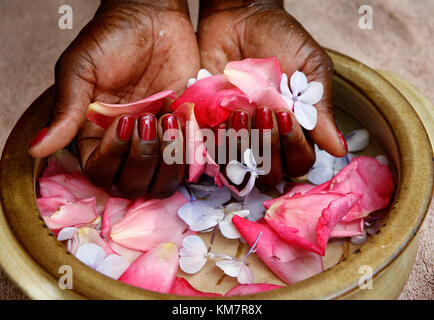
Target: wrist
{"x": 209, "y": 6}
{"x": 174, "y": 5}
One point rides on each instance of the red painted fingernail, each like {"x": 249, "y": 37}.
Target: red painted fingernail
{"x": 263, "y": 119}
{"x": 169, "y": 122}
{"x": 125, "y": 128}
{"x": 39, "y": 137}
{"x": 147, "y": 128}
{"x": 343, "y": 141}
{"x": 284, "y": 122}
{"x": 240, "y": 120}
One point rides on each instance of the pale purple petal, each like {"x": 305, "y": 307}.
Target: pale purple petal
{"x": 236, "y": 171}
{"x": 190, "y": 212}
{"x": 357, "y": 140}
{"x": 66, "y": 233}
{"x": 319, "y": 175}
{"x": 193, "y": 255}
{"x": 249, "y": 186}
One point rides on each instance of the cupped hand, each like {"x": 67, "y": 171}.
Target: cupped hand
{"x": 128, "y": 51}
{"x": 234, "y": 30}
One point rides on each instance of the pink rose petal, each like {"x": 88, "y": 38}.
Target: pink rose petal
{"x": 48, "y": 188}
{"x": 114, "y": 211}
{"x": 47, "y": 206}
{"x": 103, "y": 114}
{"x": 348, "y": 229}
{"x": 60, "y": 162}
{"x": 243, "y": 289}
{"x": 182, "y": 287}
{"x": 149, "y": 225}
{"x": 289, "y": 263}
{"x": 72, "y": 215}
{"x": 290, "y": 190}
{"x": 214, "y": 98}
{"x": 307, "y": 220}
{"x": 155, "y": 270}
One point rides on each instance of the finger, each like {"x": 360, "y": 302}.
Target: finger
{"x": 325, "y": 134}
{"x": 73, "y": 93}
{"x": 142, "y": 161}
{"x": 265, "y": 121}
{"x": 171, "y": 168}
{"x": 238, "y": 141}
{"x": 101, "y": 162}
{"x": 297, "y": 153}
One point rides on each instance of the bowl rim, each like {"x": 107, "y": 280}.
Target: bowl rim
{"x": 415, "y": 191}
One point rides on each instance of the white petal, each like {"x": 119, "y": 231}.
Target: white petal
{"x": 236, "y": 171}
{"x": 228, "y": 229}
{"x": 320, "y": 175}
{"x": 203, "y": 73}
{"x": 289, "y": 102}
{"x": 249, "y": 159}
{"x": 190, "y": 212}
{"x": 249, "y": 186}
{"x": 113, "y": 266}
{"x": 298, "y": 83}
{"x": 66, "y": 233}
{"x": 90, "y": 254}
{"x": 306, "y": 115}
{"x": 280, "y": 187}
{"x": 313, "y": 94}
{"x": 357, "y": 140}
{"x": 193, "y": 254}
{"x": 218, "y": 197}
{"x": 284, "y": 87}
{"x": 245, "y": 276}
{"x": 190, "y": 82}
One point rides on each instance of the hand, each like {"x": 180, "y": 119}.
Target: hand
{"x": 235, "y": 30}
{"x": 128, "y": 51}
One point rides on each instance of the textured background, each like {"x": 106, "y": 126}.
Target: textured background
{"x": 401, "y": 41}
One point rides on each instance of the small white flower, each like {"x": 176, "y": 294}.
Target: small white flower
{"x": 226, "y": 226}
{"x": 203, "y": 73}
{"x": 94, "y": 256}
{"x": 236, "y": 171}
{"x": 238, "y": 268}
{"x": 327, "y": 166}
{"x": 301, "y": 98}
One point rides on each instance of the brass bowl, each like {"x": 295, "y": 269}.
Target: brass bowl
{"x": 32, "y": 256}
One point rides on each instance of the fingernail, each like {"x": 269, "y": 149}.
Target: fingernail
{"x": 39, "y": 137}
{"x": 343, "y": 140}
{"x": 169, "y": 122}
{"x": 263, "y": 119}
{"x": 240, "y": 120}
{"x": 147, "y": 129}
{"x": 125, "y": 128}
{"x": 284, "y": 122}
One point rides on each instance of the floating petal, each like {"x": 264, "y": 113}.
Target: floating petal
{"x": 243, "y": 289}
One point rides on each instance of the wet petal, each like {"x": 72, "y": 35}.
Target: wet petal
{"x": 313, "y": 94}
{"x": 306, "y": 115}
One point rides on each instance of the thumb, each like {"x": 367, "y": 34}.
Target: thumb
{"x": 73, "y": 94}
{"x": 325, "y": 134}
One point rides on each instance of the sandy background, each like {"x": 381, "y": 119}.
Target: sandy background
{"x": 401, "y": 41}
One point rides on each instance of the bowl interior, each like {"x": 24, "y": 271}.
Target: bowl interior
{"x": 363, "y": 100}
